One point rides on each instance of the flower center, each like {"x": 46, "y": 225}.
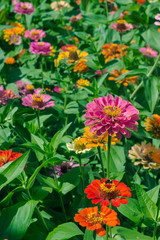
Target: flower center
{"x": 108, "y": 187}
{"x": 73, "y": 56}
{"x": 24, "y": 6}
{"x": 112, "y": 111}
{"x": 79, "y": 145}
{"x": 15, "y": 39}
{"x": 121, "y": 21}
{"x": 95, "y": 218}
{"x": 35, "y": 32}
{"x": 38, "y": 98}
{"x": 149, "y": 51}
{"x": 29, "y": 87}
{"x": 41, "y": 43}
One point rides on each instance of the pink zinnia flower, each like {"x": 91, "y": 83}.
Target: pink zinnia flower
{"x": 34, "y": 34}
{"x": 58, "y": 89}
{"x": 157, "y": 17}
{"x": 76, "y": 18}
{"x": 16, "y": 39}
{"x": 23, "y": 8}
{"x": 122, "y": 26}
{"x": 40, "y": 48}
{"x": 38, "y": 101}
{"x": 149, "y": 52}
{"x": 112, "y": 115}
{"x": 6, "y": 94}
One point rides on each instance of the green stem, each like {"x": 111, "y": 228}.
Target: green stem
{"x": 109, "y": 156}
{"x": 60, "y": 195}
{"x": 81, "y": 173}
{"x": 155, "y": 226}
{"x": 101, "y": 160}
{"x": 38, "y": 212}
{"x": 106, "y": 9}
{"x": 121, "y": 45}
{"x": 107, "y": 230}
{"x": 148, "y": 75}
{"x": 38, "y": 119}
{"x": 42, "y": 72}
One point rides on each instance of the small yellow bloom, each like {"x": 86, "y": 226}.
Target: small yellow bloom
{"x": 52, "y": 53}
{"x": 82, "y": 82}
{"x": 153, "y": 126}
{"x": 10, "y": 60}
{"x": 78, "y": 146}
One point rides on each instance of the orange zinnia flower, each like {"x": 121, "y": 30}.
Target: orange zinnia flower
{"x": 10, "y": 60}
{"x": 141, "y": 2}
{"x": 82, "y": 83}
{"x": 108, "y": 191}
{"x": 8, "y": 156}
{"x": 92, "y": 140}
{"x": 92, "y": 219}
{"x": 81, "y": 67}
{"x": 153, "y": 126}
{"x": 115, "y": 74}
{"x": 112, "y": 51}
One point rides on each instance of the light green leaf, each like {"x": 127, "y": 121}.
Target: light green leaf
{"x": 151, "y": 36}
{"x": 148, "y": 207}
{"x": 64, "y": 231}
{"x": 154, "y": 193}
{"x": 151, "y": 92}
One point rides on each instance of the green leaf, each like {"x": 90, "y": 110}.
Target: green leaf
{"x": 127, "y": 234}
{"x": 7, "y": 198}
{"x": 133, "y": 73}
{"x": 131, "y": 210}
{"x": 58, "y": 137}
{"x": 88, "y": 235}
{"x": 47, "y": 181}
{"x": 151, "y": 92}
{"x": 148, "y": 207}
{"x": 101, "y": 80}
{"x": 17, "y": 221}
{"x": 154, "y": 193}
{"x": 13, "y": 170}
{"x": 118, "y": 159}
{"x": 64, "y": 231}
{"x": 151, "y": 36}
{"x": 72, "y": 108}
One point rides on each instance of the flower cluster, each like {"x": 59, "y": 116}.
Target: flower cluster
{"x": 13, "y": 35}
{"x": 6, "y": 95}
{"x": 112, "y": 51}
{"x": 43, "y": 48}
{"x": 82, "y": 83}
{"x": 125, "y": 81}
{"x": 59, "y": 5}
{"x": 34, "y": 34}
{"x": 23, "y": 8}
{"x": 145, "y": 154}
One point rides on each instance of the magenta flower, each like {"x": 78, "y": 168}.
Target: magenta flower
{"x": 57, "y": 89}
{"x": 112, "y": 115}
{"x": 43, "y": 48}
{"x": 16, "y": 39}
{"x": 23, "y": 8}
{"x": 157, "y": 17}
{"x": 149, "y": 52}
{"x": 76, "y": 18}
{"x": 38, "y": 101}
{"x": 34, "y": 34}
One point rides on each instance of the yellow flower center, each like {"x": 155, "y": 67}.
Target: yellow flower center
{"x": 24, "y": 6}
{"x": 112, "y": 111}
{"x": 96, "y": 218}
{"x": 122, "y": 21}
{"x": 41, "y": 43}
{"x": 108, "y": 187}
{"x": 15, "y": 39}
{"x": 35, "y": 32}
{"x": 149, "y": 51}
{"x": 38, "y": 98}
{"x": 73, "y": 56}
{"x": 79, "y": 145}
{"x": 29, "y": 87}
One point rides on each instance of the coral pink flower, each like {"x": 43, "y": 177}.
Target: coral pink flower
{"x": 106, "y": 191}
{"x": 122, "y": 26}
{"x": 76, "y": 18}
{"x": 112, "y": 115}
{"x": 40, "y": 48}
{"x": 38, "y": 101}
{"x": 34, "y": 34}
{"x": 23, "y": 8}
{"x": 149, "y": 52}
{"x": 6, "y": 94}
{"x": 8, "y": 156}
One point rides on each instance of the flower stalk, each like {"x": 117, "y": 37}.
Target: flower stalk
{"x": 109, "y": 156}
{"x": 38, "y": 119}
{"x": 81, "y": 173}
{"x": 148, "y": 75}
{"x": 155, "y": 225}
{"x": 101, "y": 160}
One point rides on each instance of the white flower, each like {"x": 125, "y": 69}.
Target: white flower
{"x": 78, "y": 146}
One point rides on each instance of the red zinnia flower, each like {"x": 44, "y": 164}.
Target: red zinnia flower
{"x": 8, "y": 156}
{"x": 106, "y": 191}
{"x": 93, "y": 220}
